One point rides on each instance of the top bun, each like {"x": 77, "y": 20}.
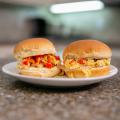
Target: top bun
{"x": 32, "y": 47}
{"x": 87, "y": 49}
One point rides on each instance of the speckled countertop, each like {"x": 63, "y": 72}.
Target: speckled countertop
{"x": 22, "y": 101}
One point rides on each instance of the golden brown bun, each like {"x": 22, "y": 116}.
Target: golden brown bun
{"x": 40, "y": 72}
{"x": 87, "y": 49}
{"x": 94, "y": 72}
{"x": 33, "y": 46}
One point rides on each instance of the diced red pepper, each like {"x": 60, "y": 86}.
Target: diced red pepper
{"x": 48, "y": 65}
{"x": 49, "y": 60}
{"x": 25, "y": 62}
{"x": 57, "y": 57}
{"x": 72, "y": 61}
{"x": 82, "y": 61}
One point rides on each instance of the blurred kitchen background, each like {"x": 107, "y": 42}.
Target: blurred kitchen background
{"x": 61, "y": 21}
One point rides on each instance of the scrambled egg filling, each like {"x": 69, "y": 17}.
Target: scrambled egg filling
{"x": 85, "y": 65}
{"x": 39, "y": 61}
{"x": 72, "y": 63}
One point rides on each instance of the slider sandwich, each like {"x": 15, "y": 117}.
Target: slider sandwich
{"x": 37, "y": 57}
{"x": 86, "y": 58}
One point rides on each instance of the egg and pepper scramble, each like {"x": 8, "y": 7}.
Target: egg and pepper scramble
{"x": 77, "y": 63}
{"x": 39, "y": 61}
{"x": 85, "y": 65}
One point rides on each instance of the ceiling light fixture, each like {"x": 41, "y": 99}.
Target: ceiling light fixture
{"x": 77, "y": 7}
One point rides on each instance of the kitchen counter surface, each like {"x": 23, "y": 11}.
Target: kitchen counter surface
{"x": 22, "y": 101}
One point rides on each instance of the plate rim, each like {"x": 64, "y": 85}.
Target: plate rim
{"x": 57, "y": 78}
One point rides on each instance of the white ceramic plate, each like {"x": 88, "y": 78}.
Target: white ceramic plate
{"x": 10, "y": 69}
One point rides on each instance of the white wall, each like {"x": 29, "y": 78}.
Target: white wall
{"x": 11, "y": 25}
{"x": 100, "y": 24}
{"x": 104, "y": 24}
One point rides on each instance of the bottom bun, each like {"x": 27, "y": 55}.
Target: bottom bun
{"x": 90, "y": 72}
{"x": 40, "y": 72}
